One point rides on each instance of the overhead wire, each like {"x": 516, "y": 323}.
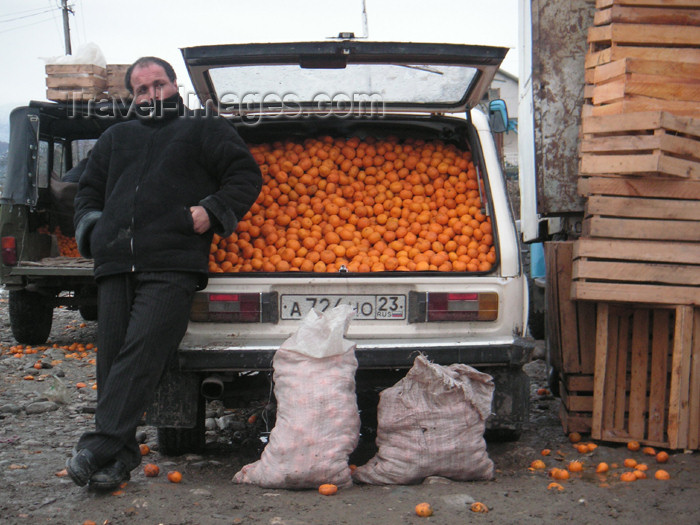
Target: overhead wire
{"x": 23, "y": 14}
{"x": 26, "y": 25}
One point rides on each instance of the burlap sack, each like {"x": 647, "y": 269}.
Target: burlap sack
{"x": 431, "y": 423}
{"x": 318, "y": 423}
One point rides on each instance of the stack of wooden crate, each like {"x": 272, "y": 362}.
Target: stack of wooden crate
{"x": 78, "y": 82}
{"x": 83, "y": 82}
{"x": 640, "y": 174}
{"x": 637, "y": 263}
{"x": 644, "y": 56}
{"x": 570, "y": 338}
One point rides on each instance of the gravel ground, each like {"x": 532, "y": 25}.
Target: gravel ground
{"x": 41, "y": 419}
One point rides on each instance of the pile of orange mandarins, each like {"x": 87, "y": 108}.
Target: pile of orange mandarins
{"x": 366, "y": 205}
{"x": 604, "y": 471}
{"x": 67, "y": 247}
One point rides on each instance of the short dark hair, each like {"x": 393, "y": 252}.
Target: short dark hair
{"x": 144, "y": 61}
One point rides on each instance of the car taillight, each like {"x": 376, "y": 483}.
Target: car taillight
{"x": 9, "y": 251}
{"x": 453, "y": 306}
{"x": 234, "y": 308}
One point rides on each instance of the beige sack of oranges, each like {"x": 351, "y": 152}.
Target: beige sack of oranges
{"x": 432, "y": 423}
{"x": 366, "y": 205}
{"x": 318, "y": 423}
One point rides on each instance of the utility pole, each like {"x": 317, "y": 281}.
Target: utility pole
{"x": 365, "y": 25}
{"x": 66, "y": 27}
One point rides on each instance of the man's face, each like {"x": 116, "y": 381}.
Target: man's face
{"x": 150, "y": 82}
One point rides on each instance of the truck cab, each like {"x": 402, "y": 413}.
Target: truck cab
{"x": 40, "y": 265}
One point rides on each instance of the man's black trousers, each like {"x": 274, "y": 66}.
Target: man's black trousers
{"x": 142, "y": 318}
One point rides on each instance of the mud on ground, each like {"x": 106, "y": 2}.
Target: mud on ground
{"x": 42, "y": 418}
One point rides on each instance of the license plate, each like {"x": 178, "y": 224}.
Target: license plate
{"x": 367, "y": 307}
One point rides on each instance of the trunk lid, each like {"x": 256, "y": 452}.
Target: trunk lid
{"x": 341, "y": 77}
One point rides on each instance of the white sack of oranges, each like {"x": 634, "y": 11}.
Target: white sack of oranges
{"x": 318, "y": 423}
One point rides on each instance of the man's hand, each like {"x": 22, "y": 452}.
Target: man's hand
{"x": 200, "y": 217}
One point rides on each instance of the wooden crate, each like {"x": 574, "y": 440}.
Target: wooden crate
{"x": 642, "y": 143}
{"x": 613, "y": 217}
{"x": 75, "y": 81}
{"x": 668, "y": 35}
{"x": 576, "y": 407}
{"x": 569, "y": 322}
{"x": 601, "y": 4}
{"x": 662, "y": 79}
{"x": 647, "y": 375}
{"x": 662, "y": 13}
{"x": 656, "y": 187}
{"x": 663, "y": 272}
{"x": 571, "y": 346}
{"x": 115, "y": 81}
{"x": 632, "y": 104}
{"x": 615, "y": 52}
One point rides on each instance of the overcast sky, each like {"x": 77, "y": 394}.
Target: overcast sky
{"x": 31, "y": 30}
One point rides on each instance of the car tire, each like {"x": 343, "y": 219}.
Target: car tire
{"x": 88, "y": 312}
{"x": 30, "y": 317}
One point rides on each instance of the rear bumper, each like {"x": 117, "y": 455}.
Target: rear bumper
{"x": 232, "y": 359}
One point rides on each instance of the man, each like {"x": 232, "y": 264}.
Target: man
{"x": 153, "y": 193}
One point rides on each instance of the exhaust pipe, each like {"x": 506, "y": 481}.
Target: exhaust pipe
{"x": 212, "y": 387}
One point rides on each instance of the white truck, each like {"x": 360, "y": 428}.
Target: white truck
{"x": 280, "y": 96}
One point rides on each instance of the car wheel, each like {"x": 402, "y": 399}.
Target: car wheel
{"x": 31, "y": 317}
{"x": 88, "y": 312}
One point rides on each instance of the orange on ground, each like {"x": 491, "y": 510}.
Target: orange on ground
{"x": 424, "y": 510}
{"x": 546, "y": 452}
{"x": 602, "y": 467}
{"x": 556, "y": 486}
{"x": 574, "y": 437}
{"x": 328, "y": 489}
{"x": 151, "y": 470}
{"x": 145, "y": 449}
{"x": 628, "y": 476}
{"x": 662, "y": 475}
{"x": 630, "y": 462}
{"x": 575, "y": 466}
{"x": 538, "y": 464}
{"x": 633, "y": 445}
{"x": 649, "y": 451}
{"x": 477, "y": 506}
{"x": 559, "y": 474}
{"x": 174, "y": 476}
{"x": 662, "y": 457}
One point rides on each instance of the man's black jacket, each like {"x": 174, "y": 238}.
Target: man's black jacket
{"x": 132, "y": 206}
